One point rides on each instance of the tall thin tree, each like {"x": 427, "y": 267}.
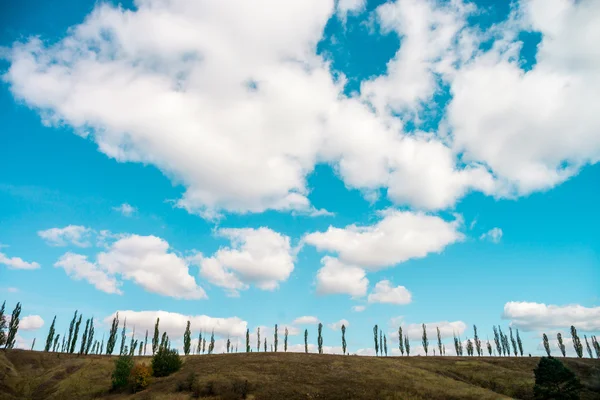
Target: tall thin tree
{"x": 385, "y": 344}
{"x": 596, "y": 346}
{"x": 285, "y": 340}
{"x": 400, "y": 340}
{"x": 75, "y": 334}
{"x": 320, "y": 338}
{"x": 576, "y": 342}
{"x": 497, "y": 341}
{"x": 587, "y": 345}
{"x": 489, "y": 348}
{"x": 71, "y": 328}
{"x": 343, "y": 339}
{"x": 407, "y": 345}
{"x": 247, "y": 340}
{"x": 122, "y": 351}
{"x": 187, "y": 339}
{"x": 425, "y": 341}
{"x": 3, "y": 324}
{"x": 258, "y": 339}
{"x": 211, "y": 347}
{"x": 306, "y": 340}
{"x": 561, "y": 345}
{"x": 265, "y": 345}
{"x": 519, "y": 343}
{"x": 439, "y": 338}
{"x": 112, "y": 336}
{"x": 90, "y": 337}
{"x": 55, "y": 346}
{"x": 513, "y": 342}
{"x": 375, "y": 329}
{"x": 84, "y": 337}
{"x": 477, "y": 341}
{"x": 546, "y": 344}
{"x": 275, "y": 339}
{"x": 156, "y": 336}
{"x": 50, "y": 337}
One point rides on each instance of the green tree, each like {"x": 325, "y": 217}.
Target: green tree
{"x": 204, "y": 344}
{"x": 120, "y": 375}
{"x": 375, "y": 329}
{"x": 381, "y": 342}
{"x": 258, "y": 339}
{"x": 165, "y": 361}
{"x": 439, "y": 337}
{"x": 187, "y": 339}
{"x": 576, "y": 342}
{"x": 477, "y": 341}
{"x": 385, "y": 344}
{"x": 63, "y": 346}
{"x": 554, "y": 381}
{"x": 455, "y": 344}
{"x": 561, "y": 345}
{"x": 155, "y": 337}
{"x": 497, "y": 341}
{"x": 320, "y": 338}
{"x": 247, "y": 340}
{"x": 50, "y": 337}
{"x": 71, "y": 328}
{"x": 343, "y": 339}
{"x": 199, "y": 344}
{"x": 306, "y": 340}
{"x": 275, "y": 339}
{"x": 122, "y": 351}
{"x": 587, "y": 345}
{"x": 265, "y": 345}
{"x": 285, "y": 340}
{"x": 90, "y": 337}
{"x": 513, "y": 342}
{"x": 75, "y": 334}
{"x": 400, "y": 340}
{"x": 211, "y": 346}
{"x": 503, "y": 341}
{"x": 3, "y": 324}
{"x": 55, "y": 346}
{"x": 546, "y": 344}
{"x": 84, "y": 337}
{"x": 596, "y": 346}
{"x": 407, "y": 345}
{"x": 33, "y": 344}
{"x": 146, "y": 342}
{"x": 469, "y": 347}
{"x": 132, "y": 343}
{"x": 112, "y": 336}
{"x": 425, "y": 341}
{"x": 489, "y": 348}
{"x": 519, "y": 343}
{"x": 228, "y": 344}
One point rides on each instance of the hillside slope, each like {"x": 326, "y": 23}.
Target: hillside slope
{"x": 37, "y": 375}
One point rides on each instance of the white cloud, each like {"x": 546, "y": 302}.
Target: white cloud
{"x": 396, "y": 238}
{"x": 174, "y": 323}
{"x": 306, "y": 320}
{"x": 17, "y": 262}
{"x": 415, "y": 331}
{"x": 337, "y": 278}
{"x": 358, "y": 308}
{"x": 126, "y": 209}
{"x": 31, "y": 323}
{"x": 494, "y": 235}
{"x": 385, "y": 293}
{"x": 346, "y": 7}
{"x": 261, "y": 257}
{"x": 338, "y": 325}
{"x": 78, "y": 267}
{"x": 73, "y": 234}
{"x": 529, "y": 316}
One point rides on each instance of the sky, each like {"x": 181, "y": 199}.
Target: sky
{"x": 244, "y": 164}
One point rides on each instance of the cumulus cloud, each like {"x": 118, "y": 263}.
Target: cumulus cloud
{"x": 261, "y": 257}
{"x": 337, "y": 278}
{"x": 78, "y": 267}
{"x": 174, "y": 323}
{"x": 346, "y": 7}
{"x": 17, "y": 262}
{"x": 306, "y": 320}
{"x": 126, "y": 209}
{"x": 415, "y": 331}
{"x": 396, "y": 238}
{"x": 31, "y": 323}
{"x": 384, "y": 292}
{"x": 338, "y": 325}
{"x": 529, "y": 316}
{"x": 494, "y": 235}
{"x": 76, "y": 235}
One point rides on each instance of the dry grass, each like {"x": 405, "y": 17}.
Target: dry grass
{"x": 35, "y": 375}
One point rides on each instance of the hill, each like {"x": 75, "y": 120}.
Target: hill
{"x": 37, "y": 375}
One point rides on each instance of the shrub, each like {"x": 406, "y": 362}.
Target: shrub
{"x": 165, "y": 362}
{"x": 120, "y": 376}
{"x": 555, "y": 381}
{"x": 187, "y": 384}
{"x": 139, "y": 377}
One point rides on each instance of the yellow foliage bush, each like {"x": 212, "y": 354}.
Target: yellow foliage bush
{"x": 140, "y": 377}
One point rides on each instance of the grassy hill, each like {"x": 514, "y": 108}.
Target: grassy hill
{"x": 37, "y": 375}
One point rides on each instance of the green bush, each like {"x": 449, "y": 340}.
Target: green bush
{"x": 120, "y": 376}
{"x": 139, "y": 378}
{"x": 165, "y": 362}
{"x": 555, "y": 381}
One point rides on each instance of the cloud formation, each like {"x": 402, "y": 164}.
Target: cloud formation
{"x": 17, "y": 262}
{"x": 76, "y": 235}
{"x": 529, "y": 316}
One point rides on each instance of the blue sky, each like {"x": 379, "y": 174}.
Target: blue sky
{"x": 425, "y": 161}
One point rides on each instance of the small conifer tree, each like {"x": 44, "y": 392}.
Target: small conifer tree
{"x": 576, "y": 342}
{"x": 407, "y": 345}
{"x": 156, "y": 336}
{"x": 477, "y": 341}
{"x": 561, "y": 345}
{"x": 187, "y": 339}
{"x": 3, "y": 324}
{"x": 112, "y": 336}
{"x": 425, "y": 341}
{"x": 320, "y": 338}
{"x": 75, "y": 334}
{"x": 247, "y": 340}
{"x": 400, "y": 340}
{"x": 439, "y": 338}
{"x": 385, "y": 344}
{"x": 50, "y": 338}
{"x": 343, "y": 339}
{"x": 275, "y": 339}
{"x": 375, "y": 329}
{"x": 285, "y": 340}
{"x": 546, "y": 344}
{"x": 306, "y": 340}
{"x": 519, "y": 343}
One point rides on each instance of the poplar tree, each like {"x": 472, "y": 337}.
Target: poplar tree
{"x": 199, "y": 344}
{"x": 146, "y": 342}
{"x": 3, "y": 324}
{"x": 285, "y": 340}
{"x": 155, "y": 337}
{"x": 381, "y": 342}
{"x": 228, "y": 344}
{"x": 122, "y": 352}
{"x": 587, "y": 345}
{"x": 211, "y": 346}
{"x": 71, "y": 328}
{"x": 477, "y": 341}
{"x": 75, "y": 334}
{"x": 546, "y": 344}
{"x": 187, "y": 339}
{"x": 407, "y": 345}
{"x": 102, "y": 345}
{"x": 400, "y": 340}
{"x": 519, "y": 343}
{"x": 306, "y": 340}
{"x": 425, "y": 341}
{"x": 455, "y": 344}
{"x": 344, "y": 339}
{"x": 50, "y": 338}
{"x": 497, "y": 341}
{"x": 596, "y": 346}
{"x": 489, "y": 348}
{"x": 275, "y": 339}
{"x": 258, "y": 339}
{"x": 503, "y": 341}
{"x": 513, "y": 342}
{"x": 84, "y": 337}
{"x": 112, "y": 336}
{"x": 576, "y": 342}
{"x": 265, "y": 345}
{"x": 55, "y": 346}
{"x": 90, "y": 338}
{"x": 444, "y": 349}
{"x": 204, "y": 344}
{"x": 63, "y": 345}
{"x": 247, "y": 340}
{"x": 439, "y": 337}
{"x": 376, "y": 341}
{"x": 132, "y": 343}
{"x": 320, "y": 338}
{"x": 561, "y": 345}
{"x": 385, "y": 344}
{"x": 141, "y": 347}
{"x": 469, "y": 347}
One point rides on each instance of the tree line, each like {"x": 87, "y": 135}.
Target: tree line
{"x": 503, "y": 344}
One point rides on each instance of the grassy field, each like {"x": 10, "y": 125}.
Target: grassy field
{"x": 37, "y": 375}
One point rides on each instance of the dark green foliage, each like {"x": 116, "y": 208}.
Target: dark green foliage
{"x": 63, "y": 345}
{"x": 561, "y": 345}
{"x": 123, "y": 351}
{"x": 587, "y": 345}
{"x": 247, "y": 340}
{"x": 519, "y": 343}
{"x": 306, "y": 340}
{"x": 554, "y": 381}
{"x": 50, "y": 338}
{"x": 477, "y": 341}
{"x": 265, "y": 345}
{"x": 375, "y": 329}
{"x": 285, "y": 340}
{"x": 187, "y": 339}
{"x": 84, "y": 337}
{"x": 596, "y": 346}
{"x": 33, "y": 344}
{"x": 155, "y": 338}
{"x": 13, "y": 327}
{"x": 165, "y": 362}
{"x": 120, "y": 376}
{"x": 546, "y": 344}
{"x": 407, "y": 345}
{"x": 71, "y": 327}
{"x": 228, "y": 344}
{"x": 203, "y": 345}
{"x": 343, "y": 339}
{"x": 456, "y": 345}
{"x": 3, "y": 324}
{"x": 385, "y": 344}
{"x": 258, "y": 339}
{"x": 497, "y": 341}
{"x": 469, "y": 347}
{"x": 275, "y": 339}
{"x": 425, "y": 341}
{"x": 112, "y": 336}
{"x": 90, "y": 337}
{"x": 439, "y": 338}
{"x": 146, "y": 342}
{"x": 489, "y": 348}
{"x": 513, "y": 342}
{"x": 400, "y": 340}
{"x": 75, "y": 334}
{"x": 211, "y": 347}
{"x": 576, "y": 342}
{"x": 320, "y": 338}
{"x": 55, "y": 346}
{"x": 133, "y": 343}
